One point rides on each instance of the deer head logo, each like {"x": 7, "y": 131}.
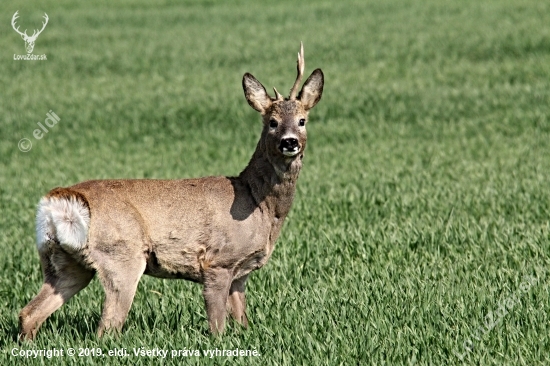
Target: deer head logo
{"x": 29, "y": 40}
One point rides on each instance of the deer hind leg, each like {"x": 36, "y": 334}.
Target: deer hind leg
{"x": 217, "y": 282}
{"x": 63, "y": 278}
{"x": 120, "y": 280}
{"x": 236, "y": 301}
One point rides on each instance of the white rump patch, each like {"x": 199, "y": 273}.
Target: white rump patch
{"x": 65, "y": 220}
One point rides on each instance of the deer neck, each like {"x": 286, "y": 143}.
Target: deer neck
{"x": 272, "y": 180}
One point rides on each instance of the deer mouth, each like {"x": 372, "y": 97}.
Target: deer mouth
{"x": 289, "y": 146}
{"x": 291, "y": 153}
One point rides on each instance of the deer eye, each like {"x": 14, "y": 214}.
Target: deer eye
{"x": 273, "y": 123}
{"x": 302, "y": 122}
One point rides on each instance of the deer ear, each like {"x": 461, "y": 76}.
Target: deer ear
{"x": 255, "y": 94}
{"x": 312, "y": 89}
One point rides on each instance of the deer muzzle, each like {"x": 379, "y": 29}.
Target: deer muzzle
{"x": 289, "y": 146}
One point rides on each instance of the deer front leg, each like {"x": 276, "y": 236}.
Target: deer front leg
{"x": 236, "y": 301}
{"x": 217, "y": 282}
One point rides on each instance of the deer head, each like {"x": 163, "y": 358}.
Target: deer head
{"x": 284, "y": 133}
{"x": 29, "y": 40}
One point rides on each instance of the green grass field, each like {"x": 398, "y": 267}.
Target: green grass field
{"x": 420, "y": 233}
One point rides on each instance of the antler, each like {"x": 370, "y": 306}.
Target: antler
{"x": 278, "y": 95}
{"x": 24, "y": 34}
{"x": 300, "y": 68}
{"x": 13, "y": 19}
{"x": 34, "y": 34}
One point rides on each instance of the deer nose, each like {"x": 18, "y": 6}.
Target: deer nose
{"x": 289, "y": 146}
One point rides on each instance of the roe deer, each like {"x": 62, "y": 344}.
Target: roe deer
{"x": 212, "y": 230}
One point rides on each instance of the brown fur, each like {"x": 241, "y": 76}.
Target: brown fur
{"x": 212, "y": 230}
{"x": 67, "y": 193}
